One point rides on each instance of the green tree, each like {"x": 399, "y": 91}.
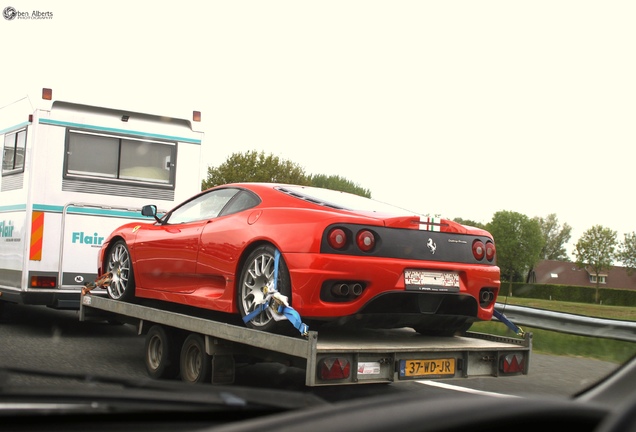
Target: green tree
{"x": 259, "y": 167}
{"x": 627, "y": 252}
{"x": 335, "y": 182}
{"x": 255, "y": 167}
{"x": 518, "y": 240}
{"x": 595, "y": 251}
{"x": 555, "y": 237}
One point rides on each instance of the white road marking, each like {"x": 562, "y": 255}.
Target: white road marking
{"x": 461, "y": 389}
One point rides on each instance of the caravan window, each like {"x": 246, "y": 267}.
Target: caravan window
{"x": 13, "y": 152}
{"x": 119, "y": 158}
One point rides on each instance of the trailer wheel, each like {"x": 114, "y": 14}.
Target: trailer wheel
{"x": 196, "y": 364}
{"x": 122, "y": 285}
{"x": 162, "y": 353}
{"x": 256, "y": 273}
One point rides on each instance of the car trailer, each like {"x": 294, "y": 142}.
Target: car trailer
{"x": 201, "y": 349}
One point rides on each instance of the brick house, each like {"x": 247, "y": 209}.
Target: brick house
{"x": 567, "y": 273}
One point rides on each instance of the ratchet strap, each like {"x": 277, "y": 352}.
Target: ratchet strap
{"x": 278, "y": 304}
{"x": 101, "y": 282}
{"x": 501, "y": 317}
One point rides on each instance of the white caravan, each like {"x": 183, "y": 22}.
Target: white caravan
{"x": 71, "y": 173}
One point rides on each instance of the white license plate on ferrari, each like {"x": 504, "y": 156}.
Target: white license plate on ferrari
{"x": 427, "y": 280}
{"x": 431, "y": 368}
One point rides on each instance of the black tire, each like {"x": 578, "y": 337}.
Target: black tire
{"x": 119, "y": 263}
{"x": 195, "y": 364}
{"x": 162, "y": 352}
{"x": 256, "y": 273}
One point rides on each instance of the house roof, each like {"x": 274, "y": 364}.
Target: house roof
{"x": 567, "y": 273}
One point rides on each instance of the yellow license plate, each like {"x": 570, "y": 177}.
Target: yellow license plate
{"x": 427, "y": 368}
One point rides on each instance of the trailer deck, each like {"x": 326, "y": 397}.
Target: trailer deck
{"x": 333, "y": 356}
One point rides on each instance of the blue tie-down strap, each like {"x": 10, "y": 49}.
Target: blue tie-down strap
{"x": 259, "y": 309}
{"x": 294, "y": 318}
{"x": 501, "y": 317}
{"x": 283, "y": 311}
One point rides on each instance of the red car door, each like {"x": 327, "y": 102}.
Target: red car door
{"x": 166, "y": 256}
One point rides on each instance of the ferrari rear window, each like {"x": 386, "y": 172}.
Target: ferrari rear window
{"x": 342, "y": 200}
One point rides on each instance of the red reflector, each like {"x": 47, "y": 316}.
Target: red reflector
{"x": 512, "y": 363}
{"x": 43, "y": 281}
{"x": 196, "y": 116}
{"x": 334, "y": 368}
{"x": 47, "y": 94}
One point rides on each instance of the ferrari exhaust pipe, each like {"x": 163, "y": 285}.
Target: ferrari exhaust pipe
{"x": 350, "y": 290}
{"x": 356, "y": 289}
{"x": 340, "y": 290}
{"x": 486, "y": 297}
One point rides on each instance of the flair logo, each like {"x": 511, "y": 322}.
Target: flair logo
{"x": 6, "y": 229}
{"x": 86, "y": 238}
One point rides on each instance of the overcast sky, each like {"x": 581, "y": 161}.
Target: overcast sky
{"x": 451, "y": 108}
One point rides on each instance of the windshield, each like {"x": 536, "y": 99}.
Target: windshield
{"x": 226, "y": 296}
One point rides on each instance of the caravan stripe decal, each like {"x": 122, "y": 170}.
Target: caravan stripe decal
{"x": 129, "y": 214}
{"x": 14, "y": 128}
{"x": 12, "y": 208}
{"x": 133, "y": 214}
{"x": 37, "y": 231}
{"x": 119, "y": 131}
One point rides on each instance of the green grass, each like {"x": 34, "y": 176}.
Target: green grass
{"x": 554, "y": 343}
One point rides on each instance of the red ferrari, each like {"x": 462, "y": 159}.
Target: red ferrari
{"x": 338, "y": 259}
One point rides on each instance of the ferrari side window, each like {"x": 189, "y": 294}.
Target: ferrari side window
{"x": 206, "y": 206}
{"x": 240, "y": 202}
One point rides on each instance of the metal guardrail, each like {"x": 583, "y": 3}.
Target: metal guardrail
{"x": 569, "y": 323}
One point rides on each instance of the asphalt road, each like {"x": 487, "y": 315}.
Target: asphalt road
{"x": 39, "y": 338}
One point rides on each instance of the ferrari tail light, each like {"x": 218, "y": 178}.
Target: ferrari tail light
{"x": 479, "y": 250}
{"x": 365, "y": 240}
{"x": 334, "y": 368}
{"x": 337, "y": 238}
{"x": 490, "y": 251}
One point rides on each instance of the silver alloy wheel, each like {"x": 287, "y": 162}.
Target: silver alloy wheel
{"x": 119, "y": 265}
{"x": 260, "y": 273}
